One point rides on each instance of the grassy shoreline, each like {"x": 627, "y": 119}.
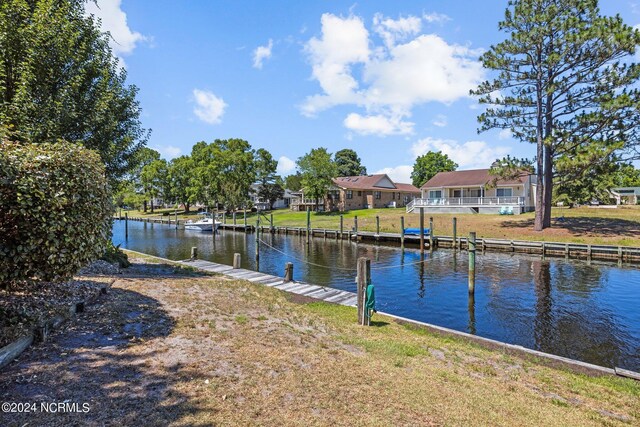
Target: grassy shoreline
{"x": 620, "y": 227}
{"x": 171, "y": 346}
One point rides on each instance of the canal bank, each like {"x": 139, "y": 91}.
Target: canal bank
{"x": 575, "y": 309}
{"x": 175, "y": 346}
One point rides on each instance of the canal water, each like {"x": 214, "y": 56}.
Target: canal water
{"x": 589, "y": 312}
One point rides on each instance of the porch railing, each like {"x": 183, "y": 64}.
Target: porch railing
{"x": 469, "y": 201}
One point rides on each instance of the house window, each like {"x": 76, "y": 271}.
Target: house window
{"x": 457, "y": 193}
{"x": 407, "y": 199}
{"x": 504, "y": 192}
{"x": 377, "y": 194}
{"x": 435, "y": 194}
{"x": 349, "y": 194}
{"x": 359, "y": 193}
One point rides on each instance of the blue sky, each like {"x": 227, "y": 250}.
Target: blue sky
{"x": 387, "y": 79}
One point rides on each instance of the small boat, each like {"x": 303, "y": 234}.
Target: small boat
{"x": 206, "y": 223}
{"x": 416, "y": 231}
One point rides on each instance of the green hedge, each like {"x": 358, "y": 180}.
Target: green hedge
{"x": 55, "y": 209}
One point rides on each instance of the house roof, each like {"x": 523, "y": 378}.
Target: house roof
{"x": 377, "y": 182}
{"x": 475, "y": 177}
{"x": 408, "y": 188}
{"x": 364, "y": 182}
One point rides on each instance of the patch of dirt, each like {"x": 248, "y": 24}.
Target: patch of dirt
{"x": 26, "y": 306}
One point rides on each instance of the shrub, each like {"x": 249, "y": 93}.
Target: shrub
{"x": 114, "y": 254}
{"x": 54, "y": 212}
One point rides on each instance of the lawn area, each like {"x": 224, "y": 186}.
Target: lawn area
{"x": 578, "y": 225}
{"x": 169, "y": 346}
{"x": 619, "y": 227}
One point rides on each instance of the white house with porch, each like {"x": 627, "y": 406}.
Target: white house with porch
{"x": 476, "y": 191}
{"x": 626, "y": 195}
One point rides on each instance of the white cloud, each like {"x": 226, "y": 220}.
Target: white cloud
{"x": 343, "y": 42}
{"x": 285, "y": 165}
{"x": 435, "y": 17}
{"x": 440, "y": 121}
{"x": 505, "y": 134}
{"x": 468, "y": 155}
{"x": 261, "y": 53}
{"x": 123, "y": 39}
{"x": 393, "y": 30}
{"x": 401, "y": 174}
{"x": 209, "y": 108}
{"x": 407, "y": 70}
{"x": 380, "y": 125}
{"x": 167, "y": 151}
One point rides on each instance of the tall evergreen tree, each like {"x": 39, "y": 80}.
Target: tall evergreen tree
{"x": 348, "y": 163}
{"x": 565, "y": 82}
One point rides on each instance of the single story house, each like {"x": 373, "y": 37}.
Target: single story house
{"x": 626, "y": 195}
{"x": 360, "y": 192}
{"x": 263, "y": 205}
{"x": 476, "y": 191}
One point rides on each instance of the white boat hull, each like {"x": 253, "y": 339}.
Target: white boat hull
{"x": 202, "y": 225}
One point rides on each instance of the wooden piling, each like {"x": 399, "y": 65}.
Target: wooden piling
{"x": 341, "y": 225}
{"x": 245, "y": 219}
{"x": 176, "y": 219}
{"x": 257, "y": 243}
{"x": 455, "y": 232}
{"x": 271, "y": 228}
{"x": 288, "y": 272}
{"x": 308, "y": 225}
{"x": 224, "y": 218}
{"x": 126, "y": 226}
{"x": 421, "y": 230}
{"x": 355, "y": 226}
{"x": 364, "y": 274}
{"x": 472, "y": 262}
{"x": 236, "y": 260}
{"x": 377, "y": 226}
{"x": 402, "y": 233}
{"x": 194, "y": 253}
{"x": 234, "y": 220}
{"x": 431, "y": 233}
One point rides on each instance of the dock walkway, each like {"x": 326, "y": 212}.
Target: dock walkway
{"x": 333, "y": 295}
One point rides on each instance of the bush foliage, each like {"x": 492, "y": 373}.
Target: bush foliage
{"x": 55, "y": 210}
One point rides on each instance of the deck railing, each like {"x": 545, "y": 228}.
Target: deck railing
{"x": 468, "y": 201}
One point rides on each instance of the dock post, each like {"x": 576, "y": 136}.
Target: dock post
{"x": 288, "y": 272}
{"x": 234, "y": 220}
{"x": 431, "y": 233}
{"x": 257, "y": 242}
{"x": 588, "y": 252}
{"x": 619, "y": 253}
{"x": 236, "y": 260}
{"x": 402, "y": 233}
{"x": 176, "y": 219}
{"x": 194, "y": 253}
{"x": 377, "y": 227}
{"x": 421, "y": 230}
{"x": 272, "y": 229}
{"x": 224, "y": 218}
{"x": 126, "y": 226}
{"x": 455, "y": 233}
{"x": 341, "y": 225}
{"x": 245, "y": 219}
{"x": 364, "y": 274}
{"x": 308, "y": 225}
{"x": 472, "y": 262}
{"x": 355, "y": 226}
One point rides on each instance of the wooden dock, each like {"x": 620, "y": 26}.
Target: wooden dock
{"x": 546, "y": 249}
{"x": 333, "y": 295}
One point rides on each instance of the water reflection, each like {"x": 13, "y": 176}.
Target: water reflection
{"x": 570, "y": 308}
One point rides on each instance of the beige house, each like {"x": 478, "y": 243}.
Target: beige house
{"x": 360, "y": 192}
{"x": 476, "y": 191}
